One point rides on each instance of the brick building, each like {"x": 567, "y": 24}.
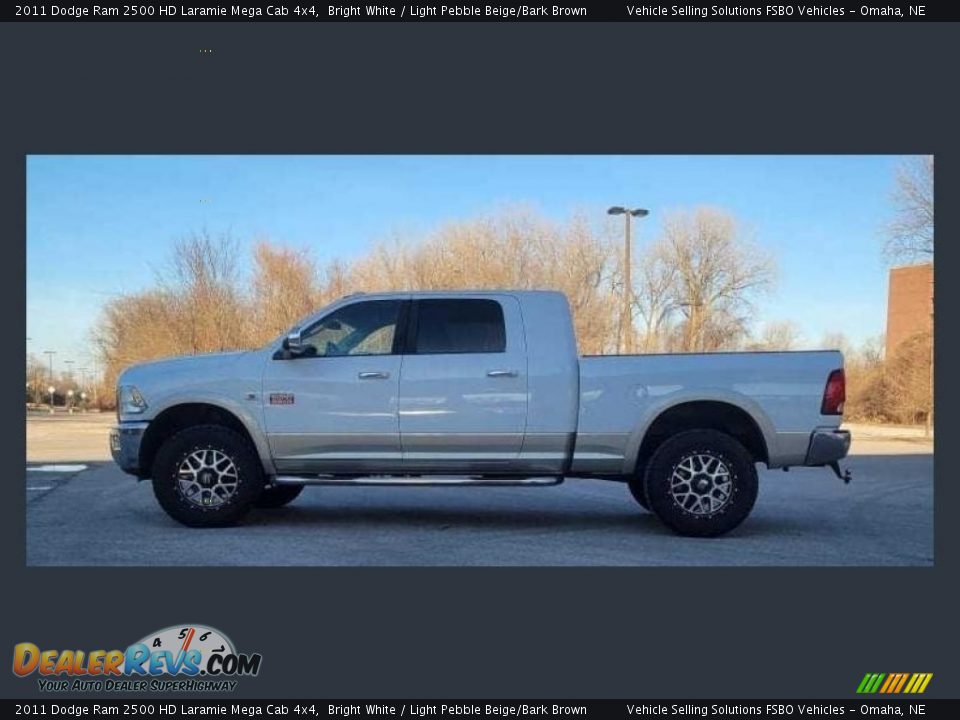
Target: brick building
{"x": 909, "y": 303}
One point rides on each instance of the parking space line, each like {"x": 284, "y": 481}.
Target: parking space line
{"x": 57, "y": 468}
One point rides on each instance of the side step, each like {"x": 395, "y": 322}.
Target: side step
{"x": 419, "y": 480}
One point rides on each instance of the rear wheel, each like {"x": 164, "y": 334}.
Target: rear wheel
{"x": 701, "y": 483}
{"x": 275, "y": 496}
{"x": 207, "y": 476}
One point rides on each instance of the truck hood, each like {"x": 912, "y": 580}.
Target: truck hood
{"x": 191, "y": 365}
{"x": 215, "y": 378}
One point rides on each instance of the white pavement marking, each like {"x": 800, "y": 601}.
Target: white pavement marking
{"x": 57, "y": 468}
{"x": 41, "y": 487}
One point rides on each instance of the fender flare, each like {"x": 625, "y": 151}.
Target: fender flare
{"x": 243, "y": 414}
{"x": 727, "y": 397}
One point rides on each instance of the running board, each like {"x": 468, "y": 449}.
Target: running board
{"x": 419, "y": 480}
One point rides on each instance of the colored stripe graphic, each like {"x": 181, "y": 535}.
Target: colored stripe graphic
{"x": 894, "y": 683}
{"x": 903, "y": 681}
{"x": 897, "y": 685}
{"x": 868, "y": 680}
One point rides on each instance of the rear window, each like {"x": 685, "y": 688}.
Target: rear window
{"x": 459, "y": 326}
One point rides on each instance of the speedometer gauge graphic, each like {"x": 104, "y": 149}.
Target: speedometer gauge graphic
{"x": 179, "y": 640}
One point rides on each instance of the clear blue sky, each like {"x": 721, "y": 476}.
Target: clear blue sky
{"x": 100, "y": 225}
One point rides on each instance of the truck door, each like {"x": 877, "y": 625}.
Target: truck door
{"x": 463, "y": 385}
{"x": 333, "y": 408}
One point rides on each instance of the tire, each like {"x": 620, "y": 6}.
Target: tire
{"x": 726, "y": 483}
{"x": 227, "y": 477}
{"x": 638, "y": 489}
{"x": 276, "y": 496}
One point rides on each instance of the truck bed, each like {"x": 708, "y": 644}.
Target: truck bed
{"x": 621, "y": 395}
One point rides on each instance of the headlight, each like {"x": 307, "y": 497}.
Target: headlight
{"x": 130, "y": 401}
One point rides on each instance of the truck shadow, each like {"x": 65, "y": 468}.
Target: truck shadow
{"x": 346, "y": 516}
{"x": 412, "y": 519}
{"x": 804, "y": 504}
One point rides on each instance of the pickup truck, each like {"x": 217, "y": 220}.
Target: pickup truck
{"x": 471, "y": 388}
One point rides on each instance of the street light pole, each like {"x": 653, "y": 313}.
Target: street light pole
{"x": 50, "y": 354}
{"x": 626, "y": 312}
{"x": 96, "y": 382}
{"x": 36, "y": 383}
{"x": 627, "y": 287}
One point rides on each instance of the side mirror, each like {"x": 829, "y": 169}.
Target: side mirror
{"x": 293, "y": 342}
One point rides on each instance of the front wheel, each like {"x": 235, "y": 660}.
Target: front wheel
{"x": 701, "y": 483}
{"x": 207, "y": 476}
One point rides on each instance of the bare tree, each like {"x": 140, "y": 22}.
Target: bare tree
{"x": 335, "y": 281}
{"x": 870, "y": 353}
{"x": 202, "y": 283}
{"x": 37, "y": 378}
{"x": 908, "y": 379}
{"x": 197, "y": 306}
{"x": 515, "y": 248}
{"x": 910, "y": 233}
{"x": 654, "y": 295}
{"x": 134, "y": 328}
{"x": 718, "y": 272}
{"x": 868, "y": 389}
{"x": 836, "y": 341}
{"x": 284, "y": 290}
{"x": 777, "y": 335}
{"x": 910, "y": 238}
{"x": 694, "y": 290}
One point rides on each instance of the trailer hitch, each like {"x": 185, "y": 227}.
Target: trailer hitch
{"x": 845, "y": 475}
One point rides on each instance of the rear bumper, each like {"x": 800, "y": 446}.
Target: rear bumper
{"x": 125, "y": 440}
{"x": 827, "y": 446}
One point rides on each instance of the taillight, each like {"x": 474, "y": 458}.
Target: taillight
{"x": 834, "y": 394}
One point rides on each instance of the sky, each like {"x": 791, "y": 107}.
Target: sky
{"x": 98, "y": 226}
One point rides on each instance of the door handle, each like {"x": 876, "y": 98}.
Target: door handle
{"x": 373, "y": 375}
{"x": 501, "y": 373}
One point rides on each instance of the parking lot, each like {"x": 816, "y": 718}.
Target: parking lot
{"x": 81, "y": 510}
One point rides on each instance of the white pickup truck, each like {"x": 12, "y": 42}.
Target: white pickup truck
{"x": 471, "y": 388}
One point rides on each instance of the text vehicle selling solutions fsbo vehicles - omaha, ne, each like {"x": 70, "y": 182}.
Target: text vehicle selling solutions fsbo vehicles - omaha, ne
{"x": 471, "y": 388}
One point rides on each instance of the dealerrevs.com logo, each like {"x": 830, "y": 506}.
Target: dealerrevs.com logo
{"x": 180, "y": 658}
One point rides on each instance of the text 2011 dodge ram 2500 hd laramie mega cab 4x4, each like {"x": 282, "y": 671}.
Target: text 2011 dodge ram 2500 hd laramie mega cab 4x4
{"x": 471, "y": 388}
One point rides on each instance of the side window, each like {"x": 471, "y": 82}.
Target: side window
{"x": 459, "y": 326}
{"x": 362, "y": 328}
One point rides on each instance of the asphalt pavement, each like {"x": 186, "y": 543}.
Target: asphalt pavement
{"x": 89, "y": 513}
